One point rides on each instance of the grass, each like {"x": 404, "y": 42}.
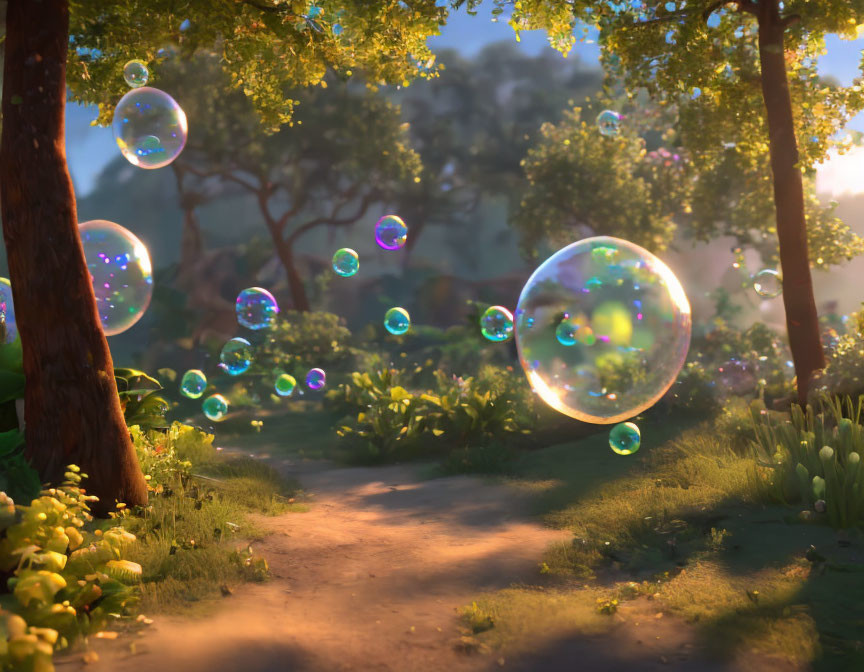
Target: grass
{"x": 683, "y": 521}
{"x": 186, "y": 534}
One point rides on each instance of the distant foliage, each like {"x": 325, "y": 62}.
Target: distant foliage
{"x": 844, "y": 373}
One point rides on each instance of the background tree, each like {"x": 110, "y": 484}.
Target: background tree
{"x": 265, "y": 47}
{"x": 742, "y": 75}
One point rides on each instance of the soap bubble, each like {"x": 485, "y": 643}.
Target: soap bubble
{"x": 285, "y": 385}
{"x": 256, "y": 308}
{"x": 736, "y": 377}
{"x": 627, "y": 330}
{"x": 193, "y": 383}
{"x": 150, "y": 127}
{"x": 609, "y": 123}
{"x": 496, "y": 323}
{"x": 121, "y": 273}
{"x": 625, "y": 438}
{"x": 316, "y": 379}
{"x": 215, "y": 407}
{"x": 397, "y": 321}
{"x": 768, "y": 283}
{"x": 346, "y": 262}
{"x": 7, "y": 311}
{"x": 391, "y": 232}
{"x": 136, "y": 74}
{"x": 236, "y": 356}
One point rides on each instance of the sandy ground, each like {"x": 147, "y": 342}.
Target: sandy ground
{"x": 371, "y": 578}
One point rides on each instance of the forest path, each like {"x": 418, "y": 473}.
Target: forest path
{"x": 372, "y": 578}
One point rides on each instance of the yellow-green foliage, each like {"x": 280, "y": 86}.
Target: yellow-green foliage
{"x": 66, "y": 577}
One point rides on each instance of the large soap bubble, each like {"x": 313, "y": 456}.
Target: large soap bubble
{"x": 150, "y": 127}
{"x": 7, "y": 312}
{"x": 628, "y": 329}
{"x": 121, "y": 273}
{"x": 256, "y": 308}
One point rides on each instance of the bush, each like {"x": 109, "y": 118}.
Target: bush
{"x": 815, "y": 459}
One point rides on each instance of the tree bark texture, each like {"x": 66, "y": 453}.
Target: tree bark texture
{"x": 73, "y": 413}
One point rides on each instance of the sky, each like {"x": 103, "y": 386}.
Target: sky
{"x": 90, "y": 148}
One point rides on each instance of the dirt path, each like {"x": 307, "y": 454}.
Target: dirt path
{"x": 370, "y": 580}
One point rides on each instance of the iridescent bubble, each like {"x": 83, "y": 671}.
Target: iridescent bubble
{"x": 736, "y": 377}
{"x": 625, "y": 438}
{"x": 391, "y": 232}
{"x": 346, "y": 262}
{"x": 150, "y": 127}
{"x": 768, "y": 283}
{"x": 121, "y": 273}
{"x": 193, "y": 383}
{"x": 397, "y": 321}
{"x": 626, "y": 333}
{"x": 285, "y": 385}
{"x": 256, "y": 308}
{"x": 236, "y": 356}
{"x": 215, "y": 407}
{"x": 316, "y": 379}
{"x": 7, "y": 311}
{"x": 136, "y": 74}
{"x": 496, "y": 323}
{"x": 609, "y": 123}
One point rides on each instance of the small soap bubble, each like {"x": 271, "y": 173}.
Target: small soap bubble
{"x": 121, "y": 273}
{"x": 736, "y": 377}
{"x": 496, "y": 324}
{"x": 215, "y": 407}
{"x": 256, "y": 308}
{"x": 625, "y": 438}
{"x": 136, "y": 74}
{"x": 150, "y": 127}
{"x": 285, "y": 385}
{"x": 236, "y": 356}
{"x": 193, "y": 384}
{"x": 7, "y": 312}
{"x": 768, "y": 283}
{"x": 609, "y": 123}
{"x": 391, "y": 232}
{"x": 623, "y": 319}
{"x": 346, "y": 262}
{"x": 316, "y": 379}
{"x": 397, "y": 321}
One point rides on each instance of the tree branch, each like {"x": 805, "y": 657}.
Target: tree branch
{"x": 362, "y": 207}
{"x": 743, "y": 5}
{"x": 224, "y": 174}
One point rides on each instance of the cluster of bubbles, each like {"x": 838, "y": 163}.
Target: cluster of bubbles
{"x": 768, "y": 284}
{"x": 121, "y": 272}
{"x": 625, "y": 438}
{"x": 602, "y": 329}
{"x": 256, "y": 308}
{"x": 346, "y": 262}
{"x": 496, "y": 324}
{"x": 7, "y": 312}
{"x": 397, "y": 321}
{"x": 609, "y": 123}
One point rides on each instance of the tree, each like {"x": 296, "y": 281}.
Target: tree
{"x": 742, "y": 75}
{"x": 265, "y": 46}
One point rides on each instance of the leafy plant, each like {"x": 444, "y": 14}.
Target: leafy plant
{"x": 254, "y": 567}
{"x": 17, "y": 478}
{"x": 139, "y": 398}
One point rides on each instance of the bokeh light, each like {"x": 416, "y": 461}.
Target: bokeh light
{"x": 215, "y": 407}
{"x": 346, "y": 262}
{"x": 236, "y": 356}
{"x": 136, "y": 74}
{"x": 391, "y": 232}
{"x": 285, "y": 385}
{"x": 256, "y": 308}
{"x": 625, "y": 438}
{"x": 316, "y": 379}
{"x": 150, "y": 127}
{"x": 397, "y": 321}
{"x": 629, "y": 322}
{"x": 496, "y": 324}
{"x": 768, "y": 283}
{"x": 121, "y": 273}
{"x": 7, "y": 311}
{"x": 609, "y": 123}
{"x": 193, "y": 383}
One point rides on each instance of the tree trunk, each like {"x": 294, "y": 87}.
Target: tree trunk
{"x": 192, "y": 242}
{"x": 73, "y": 413}
{"x": 295, "y": 280}
{"x": 802, "y": 321}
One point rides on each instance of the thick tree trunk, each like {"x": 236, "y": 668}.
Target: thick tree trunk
{"x": 73, "y": 413}
{"x": 295, "y": 280}
{"x": 802, "y": 320}
{"x": 192, "y": 241}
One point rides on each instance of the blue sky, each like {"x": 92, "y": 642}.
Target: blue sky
{"x": 90, "y": 148}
